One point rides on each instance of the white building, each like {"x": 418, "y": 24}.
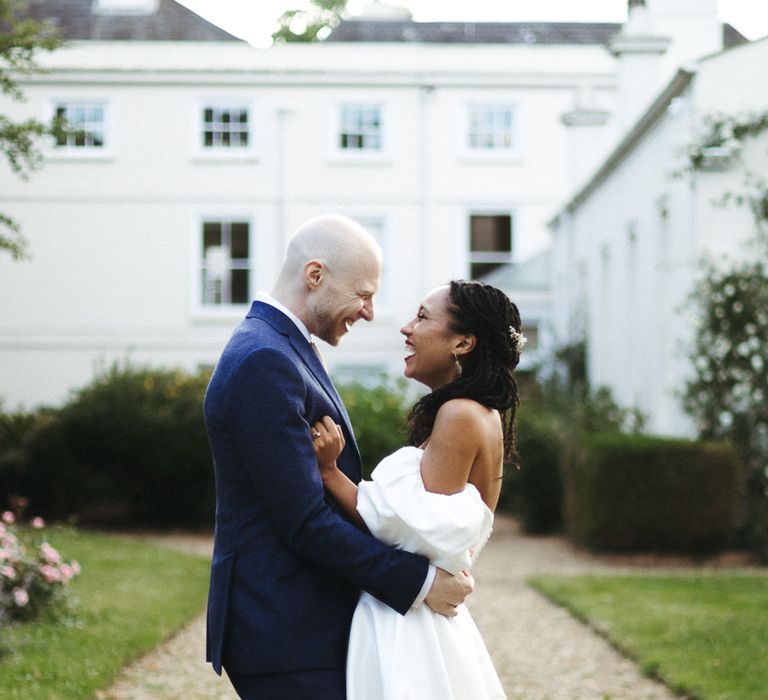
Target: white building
{"x": 152, "y": 228}
{"x": 628, "y": 244}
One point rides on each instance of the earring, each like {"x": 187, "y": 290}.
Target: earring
{"x": 458, "y": 365}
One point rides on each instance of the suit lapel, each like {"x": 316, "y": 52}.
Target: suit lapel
{"x": 283, "y": 325}
{"x": 312, "y": 361}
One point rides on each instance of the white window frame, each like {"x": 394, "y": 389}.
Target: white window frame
{"x": 379, "y": 154}
{"x": 480, "y": 257}
{"x": 377, "y": 225}
{"x": 220, "y": 152}
{"x": 498, "y": 148}
{"x": 200, "y": 308}
{"x": 68, "y": 150}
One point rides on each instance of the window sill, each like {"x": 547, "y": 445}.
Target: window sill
{"x": 366, "y": 159}
{"x": 76, "y": 156}
{"x": 490, "y": 158}
{"x": 217, "y": 157}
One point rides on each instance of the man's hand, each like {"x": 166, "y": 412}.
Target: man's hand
{"x": 449, "y": 591}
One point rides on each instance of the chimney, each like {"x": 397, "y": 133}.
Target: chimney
{"x": 693, "y": 25}
{"x": 587, "y": 135}
{"x": 658, "y": 38}
{"x": 639, "y": 49}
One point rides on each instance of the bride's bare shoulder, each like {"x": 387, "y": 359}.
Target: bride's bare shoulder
{"x": 464, "y": 413}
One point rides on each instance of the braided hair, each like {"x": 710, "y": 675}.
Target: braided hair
{"x": 487, "y": 371}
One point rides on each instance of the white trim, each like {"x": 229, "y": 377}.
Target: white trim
{"x": 52, "y": 151}
{"x": 209, "y": 154}
{"x": 469, "y": 212}
{"x": 366, "y": 156}
{"x": 495, "y": 154}
{"x": 222, "y": 312}
{"x": 382, "y": 303}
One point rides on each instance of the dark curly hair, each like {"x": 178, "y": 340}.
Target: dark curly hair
{"x": 487, "y": 371}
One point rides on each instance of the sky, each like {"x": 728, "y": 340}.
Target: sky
{"x": 255, "y": 20}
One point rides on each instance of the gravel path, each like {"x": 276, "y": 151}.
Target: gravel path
{"x": 540, "y": 651}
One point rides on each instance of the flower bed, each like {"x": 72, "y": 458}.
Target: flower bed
{"x": 32, "y": 572}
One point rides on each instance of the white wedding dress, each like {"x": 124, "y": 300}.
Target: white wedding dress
{"x": 420, "y": 655}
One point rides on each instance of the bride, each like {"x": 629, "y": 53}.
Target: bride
{"x": 436, "y": 496}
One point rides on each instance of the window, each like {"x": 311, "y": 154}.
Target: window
{"x": 225, "y": 127}
{"x": 531, "y": 333}
{"x": 491, "y": 128}
{"x": 490, "y": 243}
{"x": 360, "y": 127}
{"x": 226, "y": 262}
{"x": 376, "y": 226}
{"x": 84, "y": 125}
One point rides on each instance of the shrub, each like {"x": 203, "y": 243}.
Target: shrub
{"x": 378, "y": 416}
{"x": 534, "y": 490}
{"x": 644, "y": 493}
{"x": 16, "y": 433}
{"x": 554, "y": 412}
{"x": 32, "y": 572}
{"x": 727, "y": 395}
{"x": 128, "y": 449}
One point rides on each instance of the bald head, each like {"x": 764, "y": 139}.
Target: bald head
{"x": 329, "y": 276}
{"x": 336, "y": 241}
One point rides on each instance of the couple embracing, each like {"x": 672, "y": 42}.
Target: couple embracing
{"x": 324, "y": 587}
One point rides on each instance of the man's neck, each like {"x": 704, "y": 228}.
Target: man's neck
{"x": 294, "y": 303}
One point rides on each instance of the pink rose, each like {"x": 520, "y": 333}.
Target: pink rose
{"x": 20, "y": 597}
{"x": 50, "y": 554}
{"x": 50, "y": 573}
{"x": 8, "y": 517}
{"x": 67, "y": 572}
{"x": 8, "y": 571}
{"x": 38, "y": 523}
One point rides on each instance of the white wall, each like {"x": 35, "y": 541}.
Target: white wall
{"x": 114, "y": 238}
{"x": 639, "y": 319}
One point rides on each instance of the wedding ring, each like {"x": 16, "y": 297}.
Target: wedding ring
{"x": 315, "y": 434}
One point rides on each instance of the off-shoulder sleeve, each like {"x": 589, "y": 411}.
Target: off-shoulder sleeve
{"x": 448, "y": 529}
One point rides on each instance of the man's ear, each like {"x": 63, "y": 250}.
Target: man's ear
{"x": 314, "y": 272}
{"x": 466, "y": 344}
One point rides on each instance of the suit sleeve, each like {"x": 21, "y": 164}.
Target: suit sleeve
{"x": 271, "y": 435}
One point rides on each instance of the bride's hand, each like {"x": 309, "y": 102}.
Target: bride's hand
{"x": 328, "y": 441}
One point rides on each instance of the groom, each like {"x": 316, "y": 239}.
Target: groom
{"x": 287, "y": 568}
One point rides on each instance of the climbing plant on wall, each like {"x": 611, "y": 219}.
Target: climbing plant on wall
{"x": 727, "y": 395}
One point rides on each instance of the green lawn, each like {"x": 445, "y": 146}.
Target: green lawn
{"x": 703, "y": 635}
{"x": 129, "y": 597}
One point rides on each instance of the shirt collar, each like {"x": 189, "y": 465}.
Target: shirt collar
{"x": 265, "y": 298}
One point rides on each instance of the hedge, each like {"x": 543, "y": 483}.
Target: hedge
{"x": 628, "y": 492}
{"x": 378, "y": 416}
{"x": 128, "y": 449}
{"x": 532, "y": 490}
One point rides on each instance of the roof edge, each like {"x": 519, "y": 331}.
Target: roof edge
{"x": 674, "y": 88}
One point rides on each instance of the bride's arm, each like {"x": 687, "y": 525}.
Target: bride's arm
{"x": 328, "y": 441}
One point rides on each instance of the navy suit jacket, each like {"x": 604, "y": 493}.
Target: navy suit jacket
{"x": 287, "y": 567}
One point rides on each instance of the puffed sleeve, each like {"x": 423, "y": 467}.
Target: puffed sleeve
{"x": 448, "y": 529}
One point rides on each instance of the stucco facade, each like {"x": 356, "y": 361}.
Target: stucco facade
{"x": 628, "y": 246}
{"x": 116, "y": 233}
